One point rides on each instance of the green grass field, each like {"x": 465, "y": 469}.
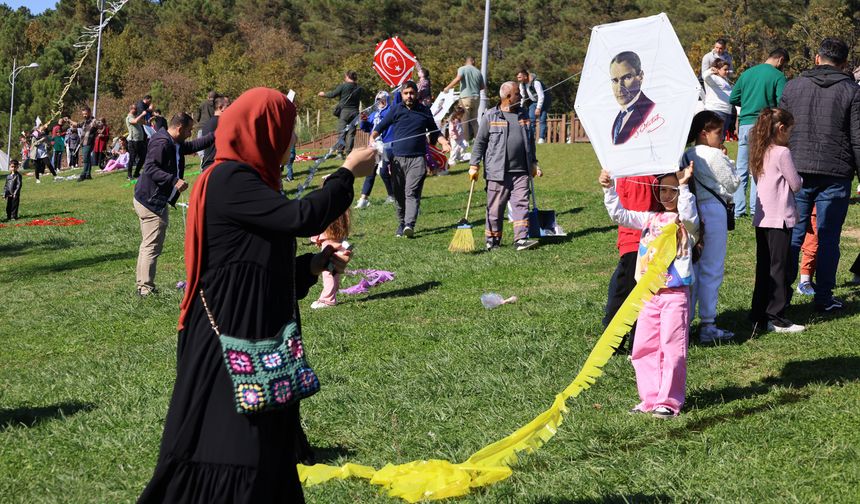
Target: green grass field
{"x": 417, "y": 369}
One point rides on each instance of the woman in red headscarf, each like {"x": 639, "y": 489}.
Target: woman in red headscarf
{"x": 240, "y": 249}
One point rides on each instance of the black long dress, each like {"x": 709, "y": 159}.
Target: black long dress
{"x": 209, "y": 452}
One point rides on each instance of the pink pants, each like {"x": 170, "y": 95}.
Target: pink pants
{"x": 331, "y": 283}
{"x": 660, "y": 349}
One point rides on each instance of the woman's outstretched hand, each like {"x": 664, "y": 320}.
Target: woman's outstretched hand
{"x": 361, "y": 162}
{"x": 330, "y": 255}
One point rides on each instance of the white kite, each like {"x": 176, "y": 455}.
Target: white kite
{"x": 637, "y": 96}
{"x": 442, "y": 105}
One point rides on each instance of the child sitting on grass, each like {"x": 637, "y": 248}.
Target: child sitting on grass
{"x": 659, "y": 353}
{"x": 335, "y": 234}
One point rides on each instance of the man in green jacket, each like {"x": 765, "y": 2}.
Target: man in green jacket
{"x": 757, "y": 88}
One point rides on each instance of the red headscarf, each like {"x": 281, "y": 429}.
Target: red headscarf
{"x": 255, "y": 130}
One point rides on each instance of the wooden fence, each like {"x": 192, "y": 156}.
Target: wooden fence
{"x": 561, "y": 128}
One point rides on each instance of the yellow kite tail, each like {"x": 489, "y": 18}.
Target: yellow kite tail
{"x": 440, "y": 479}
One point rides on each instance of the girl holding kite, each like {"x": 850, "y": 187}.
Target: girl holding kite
{"x": 659, "y": 353}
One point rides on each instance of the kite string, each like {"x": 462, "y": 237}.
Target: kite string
{"x": 477, "y": 118}
{"x": 328, "y": 155}
{"x": 85, "y": 42}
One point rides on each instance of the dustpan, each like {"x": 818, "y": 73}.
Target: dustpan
{"x": 542, "y": 223}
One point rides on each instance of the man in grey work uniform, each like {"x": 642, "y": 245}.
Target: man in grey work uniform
{"x": 471, "y": 83}
{"x": 508, "y": 151}
{"x": 411, "y": 122}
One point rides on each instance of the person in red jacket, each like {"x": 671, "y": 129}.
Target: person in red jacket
{"x": 635, "y": 194}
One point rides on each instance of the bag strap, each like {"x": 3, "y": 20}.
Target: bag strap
{"x": 209, "y": 314}
{"x": 343, "y": 103}
{"x": 686, "y": 161}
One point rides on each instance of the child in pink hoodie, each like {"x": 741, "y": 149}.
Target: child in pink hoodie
{"x": 334, "y": 235}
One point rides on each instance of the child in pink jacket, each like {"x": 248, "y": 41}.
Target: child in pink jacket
{"x": 334, "y": 235}
{"x": 777, "y": 180}
{"x": 659, "y": 353}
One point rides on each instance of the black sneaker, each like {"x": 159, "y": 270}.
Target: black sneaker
{"x": 399, "y": 232}
{"x": 525, "y": 244}
{"x": 492, "y": 245}
{"x": 409, "y": 231}
{"x": 834, "y": 304}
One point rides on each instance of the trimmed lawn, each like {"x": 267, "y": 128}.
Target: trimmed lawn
{"x": 417, "y": 368}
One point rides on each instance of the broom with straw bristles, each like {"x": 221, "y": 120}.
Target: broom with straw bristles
{"x": 463, "y": 240}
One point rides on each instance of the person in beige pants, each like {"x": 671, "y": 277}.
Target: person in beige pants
{"x": 159, "y": 185}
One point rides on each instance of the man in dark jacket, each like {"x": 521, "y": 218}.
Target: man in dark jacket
{"x": 411, "y": 122}
{"x": 825, "y": 146}
{"x": 221, "y": 103}
{"x": 160, "y": 184}
{"x": 348, "y": 94}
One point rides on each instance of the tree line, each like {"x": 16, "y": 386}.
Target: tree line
{"x": 178, "y": 50}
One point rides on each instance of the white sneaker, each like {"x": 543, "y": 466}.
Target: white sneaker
{"x": 709, "y": 333}
{"x": 541, "y": 141}
{"x": 362, "y": 203}
{"x": 793, "y": 328}
{"x": 316, "y": 305}
{"x": 389, "y": 200}
{"x": 38, "y": 181}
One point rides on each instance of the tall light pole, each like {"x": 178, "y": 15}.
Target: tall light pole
{"x": 15, "y": 71}
{"x": 98, "y": 55}
{"x": 485, "y": 53}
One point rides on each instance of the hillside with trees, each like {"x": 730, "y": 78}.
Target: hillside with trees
{"x": 177, "y": 50}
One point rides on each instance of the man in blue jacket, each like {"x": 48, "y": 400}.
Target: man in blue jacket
{"x": 160, "y": 184}
{"x": 410, "y": 123}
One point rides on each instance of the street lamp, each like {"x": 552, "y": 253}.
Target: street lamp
{"x": 98, "y": 55}
{"x": 15, "y": 71}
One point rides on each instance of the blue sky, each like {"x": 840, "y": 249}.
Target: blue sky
{"x": 35, "y": 6}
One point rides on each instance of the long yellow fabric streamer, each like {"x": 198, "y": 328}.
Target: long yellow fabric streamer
{"x": 440, "y": 479}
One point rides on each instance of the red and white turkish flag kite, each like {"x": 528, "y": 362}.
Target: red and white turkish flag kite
{"x": 393, "y": 61}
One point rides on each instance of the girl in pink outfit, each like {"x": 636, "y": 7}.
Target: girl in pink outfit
{"x": 659, "y": 353}
{"x": 120, "y": 162}
{"x": 334, "y": 235}
{"x": 456, "y": 137}
{"x": 775, "y": 216}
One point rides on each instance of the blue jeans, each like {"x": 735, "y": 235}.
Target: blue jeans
{"x": 743, "y": 173}
{"x": 830, "y": 195}
{"x": 86, "y": 154}
{"x": 290, "y": 162}
{"x": 543, "y": 113}
{"x": 384, "y": 173}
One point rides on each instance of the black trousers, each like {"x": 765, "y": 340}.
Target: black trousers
{"x": 58, "y": 160}
{"x": 348, "y": 135}
{"x": 620, "y": 286}
{"x": 855, "y": 268}
{"x": 136, "y": 156}
{"x": 771, "y": 293}
{"x": 40, "y": 167}
{"x": 12, "y": 207}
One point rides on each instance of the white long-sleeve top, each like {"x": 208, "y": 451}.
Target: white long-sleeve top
{"x": 680, "y": 272}
{"x": 717, "y": 92}
{"x": 713, "y": 169}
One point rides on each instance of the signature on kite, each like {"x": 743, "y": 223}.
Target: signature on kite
{"x": 652, "y": 124}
